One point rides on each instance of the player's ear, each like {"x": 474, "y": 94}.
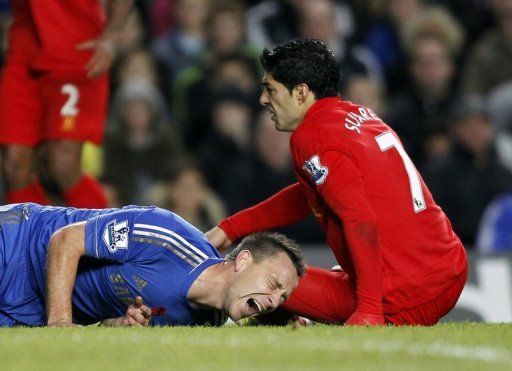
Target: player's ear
{"x": 302, "y": 92}
{"x": 242, "y": 260}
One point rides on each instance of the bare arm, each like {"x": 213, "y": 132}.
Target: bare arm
{"x": 66, "y": 248}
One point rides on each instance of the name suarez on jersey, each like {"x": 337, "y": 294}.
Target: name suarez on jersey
{"x": 354, "y": 121}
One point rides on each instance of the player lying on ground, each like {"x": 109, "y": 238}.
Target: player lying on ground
{"x": 402, "y": 263}
{"x": 133, "y": 266}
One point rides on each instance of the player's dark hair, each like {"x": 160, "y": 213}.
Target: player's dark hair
{"x": 306, "y": 61}
{"x": 264, "y": 245}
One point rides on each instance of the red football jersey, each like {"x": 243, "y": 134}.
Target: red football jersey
{"x": 48, "y": 31}
{"x": 381, "y": 222}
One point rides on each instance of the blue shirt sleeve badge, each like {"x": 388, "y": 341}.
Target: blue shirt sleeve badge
{"x": 115, "y": 235}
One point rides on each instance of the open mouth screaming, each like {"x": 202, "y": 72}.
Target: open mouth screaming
{"x": 254, "y": 304}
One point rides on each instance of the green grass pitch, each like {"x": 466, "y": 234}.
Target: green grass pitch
{"x": 456, "y": 346}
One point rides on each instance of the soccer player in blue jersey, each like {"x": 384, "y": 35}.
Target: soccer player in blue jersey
{"x": 133, "y": 266}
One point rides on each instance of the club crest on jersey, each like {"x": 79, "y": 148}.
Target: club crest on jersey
{"x": 115, "y": 235}
{"x": 315, "y": 170}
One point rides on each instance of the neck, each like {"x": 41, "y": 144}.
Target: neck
{"x": 209, "y": 288}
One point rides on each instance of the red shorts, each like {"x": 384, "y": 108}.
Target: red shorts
{"x": 50, "y": 106}
{"x": 330, "y": 296}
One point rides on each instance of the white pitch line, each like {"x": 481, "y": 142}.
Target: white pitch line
{"x": 438, "y": 349}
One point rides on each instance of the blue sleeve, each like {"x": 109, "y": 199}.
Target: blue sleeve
{"x": 109, "y": 236}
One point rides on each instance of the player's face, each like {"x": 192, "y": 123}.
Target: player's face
{"x": 283, "y": 106}
{"x": 261, "y": 287}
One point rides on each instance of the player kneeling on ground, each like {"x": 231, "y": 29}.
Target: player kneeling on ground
{"x": 134, "y": 266}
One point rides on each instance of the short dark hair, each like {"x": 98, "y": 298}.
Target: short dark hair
{"x": 263, "y": 245}
{"x": 305, "y": 61}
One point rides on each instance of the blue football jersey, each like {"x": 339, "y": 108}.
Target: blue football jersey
{"x": 133, "y": 251}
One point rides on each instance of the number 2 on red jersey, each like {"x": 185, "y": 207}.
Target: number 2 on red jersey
{"x": 387, "y": 141}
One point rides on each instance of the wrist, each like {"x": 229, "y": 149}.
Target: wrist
{"x": 60, "y": 322}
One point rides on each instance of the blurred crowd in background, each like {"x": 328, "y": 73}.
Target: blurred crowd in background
{"x": 186, "y": 132}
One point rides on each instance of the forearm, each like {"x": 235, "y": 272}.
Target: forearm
{"x": 117, "y": 13}
{"x": 62, "y": 262}
{"x": 112, "y": 322}
{"x": 285, "y": 207}
{"x": 364, "y": 246}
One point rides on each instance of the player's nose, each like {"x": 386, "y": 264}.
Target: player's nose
{"x": 264, "y": 98}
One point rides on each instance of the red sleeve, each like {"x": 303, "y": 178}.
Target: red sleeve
{"x": 343, "y": 191}
{"x": 285, "y": 207}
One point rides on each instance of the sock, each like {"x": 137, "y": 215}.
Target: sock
{"x": 86, "y": 193}
{"x": 34, "y": 192}
{"x": 323, "y": 296}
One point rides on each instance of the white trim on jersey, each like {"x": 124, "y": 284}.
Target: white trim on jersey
{"x": 173, "y": 242}
{"x": 174, "y": 234}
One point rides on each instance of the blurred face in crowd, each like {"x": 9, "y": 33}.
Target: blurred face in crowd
{"x": 232, "y": 120}
{"x": 260, "y": 287}
{"x": 187, "y": 192}
{"x": 475, "y": 133}
{"x": 318, "y": 19}
{"x": 236, "y": 73}
{"x": 431, "y": 66}
{"x": 226, "y": 32}
{"x": 137, "y": 116}
{"x": 272, "y": 146}
{"x": 284, "y": 107}
{"x": 401, "y": 10}
{"x": 366, "y": 91}
{"x": 191, "y": 14}
{"x": 138, "y": 65}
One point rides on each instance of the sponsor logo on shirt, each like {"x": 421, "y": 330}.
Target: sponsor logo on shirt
{"x": 115, "y": 235}
{"x": 315, "y": 170}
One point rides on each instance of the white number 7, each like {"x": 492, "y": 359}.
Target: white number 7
{"x": 388, "y": 140}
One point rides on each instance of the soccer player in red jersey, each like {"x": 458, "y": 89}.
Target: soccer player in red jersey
{"x": 54, "y": 95}
{"x": 401, "y": 261}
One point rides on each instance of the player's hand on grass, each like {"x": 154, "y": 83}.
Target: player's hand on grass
{"x": 218, "y": 238}
{"x": 137, "y": 314}
{"x": 365, "y": 319}
{"x": 103, "y": 49}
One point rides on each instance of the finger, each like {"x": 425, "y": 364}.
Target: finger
{"x": 139, "y": 318}
{"x": 136, "y": 313}
{"x": 89, "y": 44}
{"x": 146, "y": 311}
{"x": 132, "y": 322}
{"x": 138, "y": 301}
{"x": 99, "y": 68}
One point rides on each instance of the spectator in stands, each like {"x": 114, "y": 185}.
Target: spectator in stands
{"x": 383, "y": 38}
{"x": 229, "y": 136}
{"x": 432, "y": 39}
{"x": 262, "y": 171}
{"x": 139, "y": 140}
{"x": 184, "y": 190}
{"x": 194, "y": 87}
{"x": 488, "y": 64}
{"x": 465, "y": 181}
{"x": 272, "y": 22}
{"x": 195, "y": 97}
{"x": 182, "y": 46}
{"x": 368, "y": 92}
{"x": 317, "y": 20}
{"x": 137, "y": 65}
